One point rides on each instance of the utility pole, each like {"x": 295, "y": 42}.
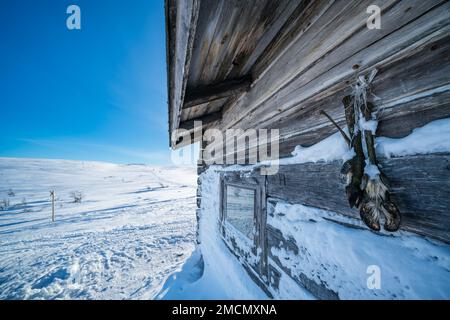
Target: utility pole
{"x": 52, "y": 194}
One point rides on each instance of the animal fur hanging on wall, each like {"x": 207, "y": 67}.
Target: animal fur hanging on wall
{"x": 367, "y": 188}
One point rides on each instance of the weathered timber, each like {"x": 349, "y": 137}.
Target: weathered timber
{"x": 304, "y": 16}
{"x": 419, "y": 185}
{"x": 265, "y": 104}
{"x": 232, "y": 32}
{"x": 276, "y": 240}
{"x": 328, "y": 31}
{"x": 200, "y": 95}
{"x": 230, "y": 35}
{"x": 270, "y": 33}
{"x": 356, "y": 164}
{"x": 206, "y": 120}
{"x": 423, "y": 96}
{"x": 202, "y": 109}
{"x": 182, "y": 20}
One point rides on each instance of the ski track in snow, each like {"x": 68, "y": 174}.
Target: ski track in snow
{"x": 134, "y": 227}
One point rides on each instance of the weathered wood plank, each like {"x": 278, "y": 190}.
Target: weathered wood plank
{"x": 260, "y": 27}
{"x": 205, "y": 108}
{"x": 210, "y": 13}
{"x": 403, "y": 42}
{"x": 400, "y": 120}
{"x": 419, "y": 96}
{"x": 270, "y": 33}
{"x": 332, "y": 22}
{"x": 181, "y": 26}
{"x": 301, "y": 20}
{"x": 229, "y": 33}
{"x": 207, "y": 120}
{"x": 395, "y": 122}
{"x": 200, "y": 95}
{"x": 420, "y": 187}
{"x": 257, "y": 108}
{"x": 227, "y": 39}
{"x": 253, "y": 187}
{"x": 274, "y": 239}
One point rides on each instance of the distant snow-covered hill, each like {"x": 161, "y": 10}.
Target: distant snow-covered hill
{"x": 134, "y": 227}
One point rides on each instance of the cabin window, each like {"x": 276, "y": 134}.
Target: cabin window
{"x": 240, "y": 209}
{"x": 243, "y": 219}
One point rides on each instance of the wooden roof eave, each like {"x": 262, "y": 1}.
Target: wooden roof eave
{"x": 181, "y": 23}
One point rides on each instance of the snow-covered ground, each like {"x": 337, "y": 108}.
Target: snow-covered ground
{"x": 134, "y": 227}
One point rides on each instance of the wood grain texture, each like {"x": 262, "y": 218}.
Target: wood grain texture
{"x": 231, "y": 32}
{"x": 230, "y": 36}
{"x": 202, "y": 109}
{"x": 305, "y": 54}
{"x": 201, "y": 95}
{"x": 206, "y": 120}
{"x": 420, "y": 187}
{"x": 331, "y": 55}
{"x": 412, "y": 89}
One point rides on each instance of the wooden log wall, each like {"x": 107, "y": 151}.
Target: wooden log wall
{"x": 420, "y": 187}
{"x": 317, "y": 56}
{"x": 307, "y": 64}
{"x": 419, "y": 184}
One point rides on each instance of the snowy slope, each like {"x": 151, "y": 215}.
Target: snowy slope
{"x": 134, "y": 227}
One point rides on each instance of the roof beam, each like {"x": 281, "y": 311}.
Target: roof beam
{"x": 188, "y": 137}
{"x": 206, "y": 120}
{"x": 200, "y": 95}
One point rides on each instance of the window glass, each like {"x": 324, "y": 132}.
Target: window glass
{"x": 241, "y": 209}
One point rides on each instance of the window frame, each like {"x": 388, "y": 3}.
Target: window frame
{"x": 259, "y": 242}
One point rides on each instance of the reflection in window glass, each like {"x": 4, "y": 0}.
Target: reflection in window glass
{"x": 240, "y": 209}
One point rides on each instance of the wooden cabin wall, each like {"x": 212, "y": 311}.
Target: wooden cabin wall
{"x": 316, "y": 59}
{"x": 310, "y": 66}
{"x": 420, "y": 187}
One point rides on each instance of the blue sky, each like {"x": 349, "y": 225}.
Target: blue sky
{"x": 98, "y": 93}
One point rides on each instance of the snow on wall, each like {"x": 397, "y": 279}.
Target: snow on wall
{"x": 431, "y": 138}
{"x": 220, "y": 263}
{"x": 221, "y": 275}
{"x": 411, "y": 267}
{"x": 434, "y": 137}
{"x": 332, "y": 148}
